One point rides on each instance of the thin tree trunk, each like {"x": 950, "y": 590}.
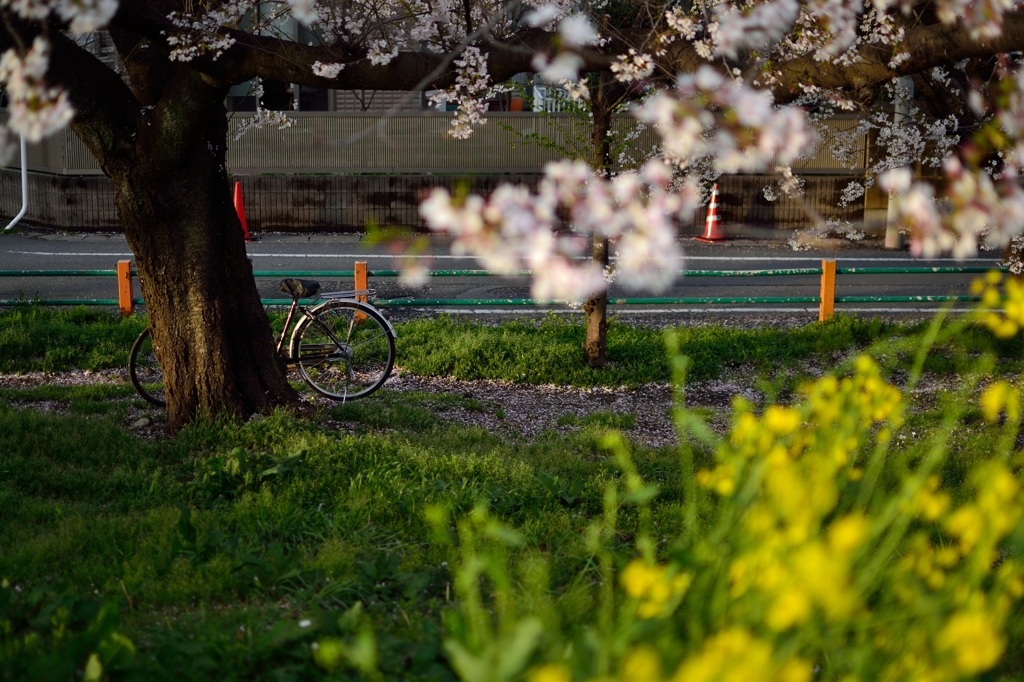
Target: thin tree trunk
{"x": 595, "y": 347}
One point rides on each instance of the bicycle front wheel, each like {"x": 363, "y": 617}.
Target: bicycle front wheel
{"x": 144, "y": 372}
{"x": 345, "y": 350}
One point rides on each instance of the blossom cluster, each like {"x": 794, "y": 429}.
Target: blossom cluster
{"x": 633, "y": 67}
{"x": 37, "y": 109}
{"x": 263, "y": 117}
{"x": 738, "y": 127}
{"x": 202, "y": 34}
{"x": 978, "y": 209}
{"x": 551, "y": 231}
{"x": 81, "y": 16}
{"x": 472, "y": 85}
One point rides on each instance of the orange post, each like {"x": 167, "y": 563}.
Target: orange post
{"x": 828, "y": 290}
{"x": 124, "y": 288}
{"x": 362, "y": 284}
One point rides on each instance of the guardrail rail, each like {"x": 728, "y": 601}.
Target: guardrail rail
{"x": 826, "y": 300}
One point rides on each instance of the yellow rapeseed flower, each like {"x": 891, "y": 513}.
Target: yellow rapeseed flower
{"x": 781, "y": 420}
{"x": 847, "y": 534}
{"x": 653, "y": 586}
{"x": 642, "y": 664}
{"x": 996, "y": 397}
{"x": 638, "y": 578}
{"x": 790, "y": 608}
{"x": 967, "y": 525}
{"x": 973, "y": 641}
{"x": 550, "y": 672}
{"x": 735, "y": 655}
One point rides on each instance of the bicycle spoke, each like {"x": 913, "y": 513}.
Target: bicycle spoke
{"x": 342, "y": 357}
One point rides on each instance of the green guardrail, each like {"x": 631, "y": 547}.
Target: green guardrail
{"x": 68, "y": 301}
{"x": 337, "y": 274}
{"x": 526, "y": 302}
{"x": 59, "y": 273}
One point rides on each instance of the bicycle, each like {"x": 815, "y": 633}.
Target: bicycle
{"x": 343, "y": 347}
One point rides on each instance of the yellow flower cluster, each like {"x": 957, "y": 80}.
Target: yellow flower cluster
{"x": 657, "y": 589}
{"x": 838, "y": 412}
{"x": 903, "y": 580}
{"x": 936, "y": 569}
{"x": 998, "y": 397}
{"x": 972, "y": 640}
{"x": 981, "y": 524}
{"x": 800, "y": 564}
{"x": 735, "y": 655}
{"x": 1007, "y": 322}
{"x": 929, "y": 503}
{"x": 550, "y": 672}
{"x": 791, "y": 560}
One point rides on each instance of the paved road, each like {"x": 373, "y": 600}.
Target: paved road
{"x": 41, "y": 251}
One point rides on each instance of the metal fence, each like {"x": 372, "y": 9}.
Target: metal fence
{"x": 342, "y": 171}
{"x": 306, "y": 203}
{"x": 409, "y": 142}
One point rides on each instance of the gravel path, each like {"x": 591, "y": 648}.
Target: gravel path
{"x": 514, "y": 410}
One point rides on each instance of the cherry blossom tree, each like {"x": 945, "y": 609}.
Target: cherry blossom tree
{"x": 728, "y": 86}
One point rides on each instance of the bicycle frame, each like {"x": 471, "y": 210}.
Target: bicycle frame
{"x": 288, "y": 323}
{"x": 305, "y": 311}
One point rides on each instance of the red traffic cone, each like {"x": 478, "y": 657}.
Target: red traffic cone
{"x": 240, "y": 210}
{"x": 713, "y": 226}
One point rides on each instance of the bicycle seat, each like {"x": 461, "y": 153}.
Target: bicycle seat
{"x": 300, "y": 288}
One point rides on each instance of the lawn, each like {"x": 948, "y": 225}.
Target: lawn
{"x": 381, "y": 540}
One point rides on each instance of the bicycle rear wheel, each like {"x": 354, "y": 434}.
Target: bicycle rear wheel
{"x": 345, "y": 350}
{"x": 144, "y": 372}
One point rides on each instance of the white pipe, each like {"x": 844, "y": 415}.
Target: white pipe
{"x": 903, "y": 95}
{"x": 24, "y": 187}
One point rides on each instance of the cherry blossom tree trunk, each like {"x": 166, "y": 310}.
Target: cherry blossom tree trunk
{"x": 164, "y": 147}
{"x": 210, "y": 332}
{"x": 603, "y": 102}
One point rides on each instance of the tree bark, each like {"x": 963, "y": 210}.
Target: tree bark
{"x": 595, "y": 347}
{"x": 163, "y": 145}
{"x": 210, "y": 332}
{"x": 604, "y": 98}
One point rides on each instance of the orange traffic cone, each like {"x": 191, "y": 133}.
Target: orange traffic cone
{"x": 713, "y": 226}
{"x": 240, "y": 210}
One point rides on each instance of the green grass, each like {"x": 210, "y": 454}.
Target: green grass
{"x": 196, "y": 536}
{"x": 607, "y": 420}
{"x": 405, "y": 410}
{"x": 33, "y": 338}
{"x": 549, "y": 351}
{"x": 214, "y": 547}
